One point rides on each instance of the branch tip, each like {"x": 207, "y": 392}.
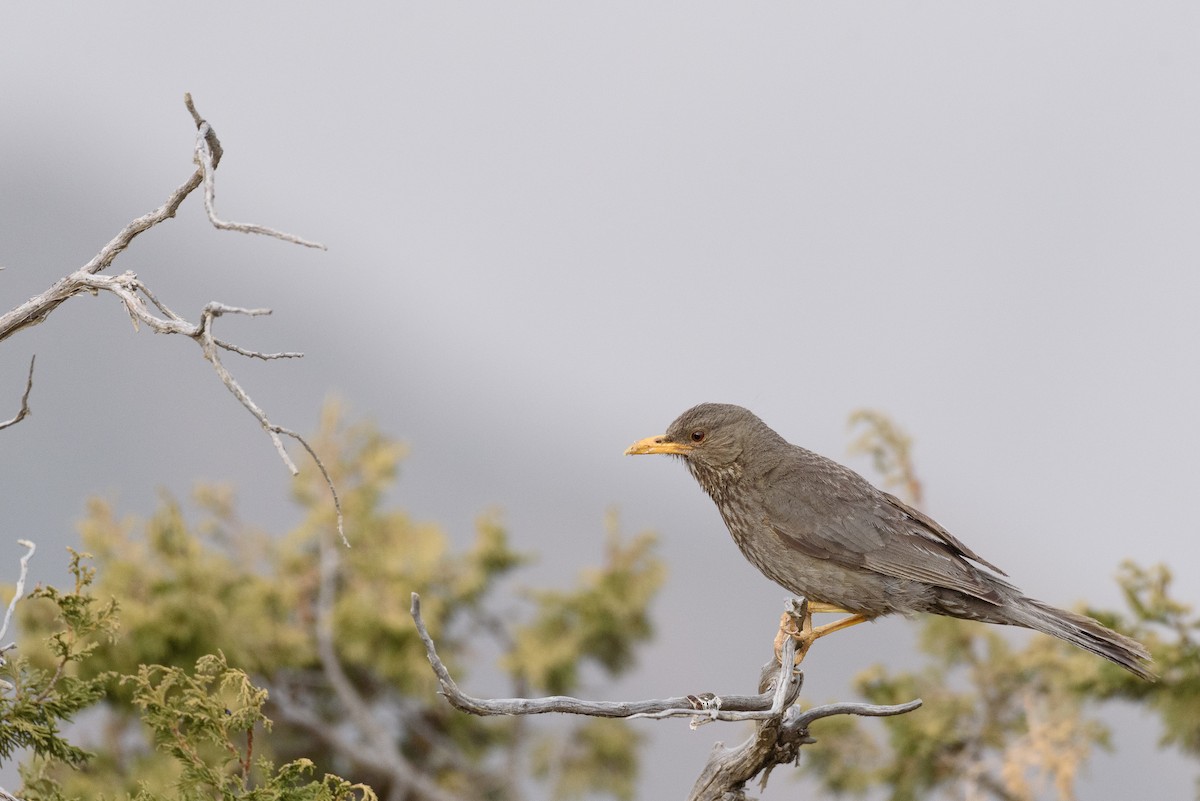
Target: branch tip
{"x": 24, "y": 411}
{"x": 191, "y": 107}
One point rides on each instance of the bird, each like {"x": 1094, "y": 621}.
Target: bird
{"x": 822, "y": 531}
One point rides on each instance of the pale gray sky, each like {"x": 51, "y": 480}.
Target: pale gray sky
{"x": 552, "y": 227}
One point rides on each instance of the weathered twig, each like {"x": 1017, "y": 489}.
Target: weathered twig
{"x": 712, "y": 707}
{"x": 18, "y": 591}
{"x": 205, "y": 157}
{"x": 780, "y": 727}
{"x": 134, "y": 295}
{"x": 24, "y": 410}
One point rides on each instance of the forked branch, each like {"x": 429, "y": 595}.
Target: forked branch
{"x": 144, "y": 307}
{"x": 780, "y": 726}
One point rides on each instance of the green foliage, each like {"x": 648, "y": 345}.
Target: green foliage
{"x": 37, "y": 700}
{"x": 194, "y": 714}
{"x": 1169, "y": 628}
{"x": 185, "y": 594}
{"x": 207, "y": 605}
{"x": 205, "y": 720}
{"x": 992, "y": 720}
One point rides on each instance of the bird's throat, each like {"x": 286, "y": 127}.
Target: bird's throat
{"x": 718, "y": 482}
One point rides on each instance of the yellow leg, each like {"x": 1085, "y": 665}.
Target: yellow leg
{"x": 838, "y": 625}
{"x": 806, "y": 635}
{"x": 820, "y": 606}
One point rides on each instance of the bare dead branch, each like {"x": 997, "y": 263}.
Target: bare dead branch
{"x": 337, "y": 501}
{"x": 803, "y": 719}
{"x": 214, "y": 144}
{"x": 18, "y": 591}
{"x": 134, "y": 295}
{"x": 158, "y": 304}
{"x": 705, "y": 706}
{"x": 254, "y": 354}
{"x": 37, "y": 308}
{"x": 780, "y": 727}
{"x": 206, "y": 159}
{"x": 204, "y": 336}
{"x": 23, "y": 412}
{"x": 775, "y": 742}
{"x": 131, "y": 291}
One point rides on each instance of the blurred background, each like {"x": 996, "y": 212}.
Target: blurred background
{"x": 553, "y": 227}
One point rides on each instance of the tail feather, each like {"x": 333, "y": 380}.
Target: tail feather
{"x": 1088, "y": 634}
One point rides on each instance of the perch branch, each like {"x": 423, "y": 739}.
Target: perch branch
{"x": 139, "y": 300}
{"x": 780, "y": 727}
{"x": 706, "y": 706}
{"x": 24, "y": 410}
{"x": 775, "y": 742}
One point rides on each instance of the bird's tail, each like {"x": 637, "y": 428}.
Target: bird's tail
{"x": 1086, "y": 633}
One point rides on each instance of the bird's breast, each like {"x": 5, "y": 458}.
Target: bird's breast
{"x": 757, "y": 542}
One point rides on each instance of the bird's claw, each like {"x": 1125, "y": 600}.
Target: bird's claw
{"x": 798, "y": 626}
{"x": 799, "y": 630}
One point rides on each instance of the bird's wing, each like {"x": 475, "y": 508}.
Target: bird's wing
{"x": 854, "y": 525}
{"x": 931, "y": 526}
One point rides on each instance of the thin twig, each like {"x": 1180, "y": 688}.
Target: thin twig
{"x": 337, "y": 501}
{"x": 204, "y": 337}
{"x": 804, "y": 719}
{"x": 17, "y": 592}
{"x": 730, "y": 707}
{"x": 204, "y": 157}
{"x": 24, "y": 410}
{"x": 254, "y": 354}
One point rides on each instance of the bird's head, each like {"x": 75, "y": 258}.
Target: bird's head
{"x": 711, "y": 435}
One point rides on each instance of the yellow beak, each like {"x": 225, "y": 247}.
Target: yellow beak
{"x": 657, "y": 444}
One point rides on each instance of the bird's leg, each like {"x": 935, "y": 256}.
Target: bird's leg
{"x": 838, "y": 625}
{"x": 806, "y": 634}
{"x": 821, "y": 606}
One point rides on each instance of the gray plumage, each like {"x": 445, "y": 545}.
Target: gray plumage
{"x": 823, "y": 531}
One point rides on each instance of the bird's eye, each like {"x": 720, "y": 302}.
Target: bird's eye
{"x": 698, "y": 435}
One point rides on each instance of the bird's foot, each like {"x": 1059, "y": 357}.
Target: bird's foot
{"x": 805, "y": 634}
{"x": 801, "y": 632}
